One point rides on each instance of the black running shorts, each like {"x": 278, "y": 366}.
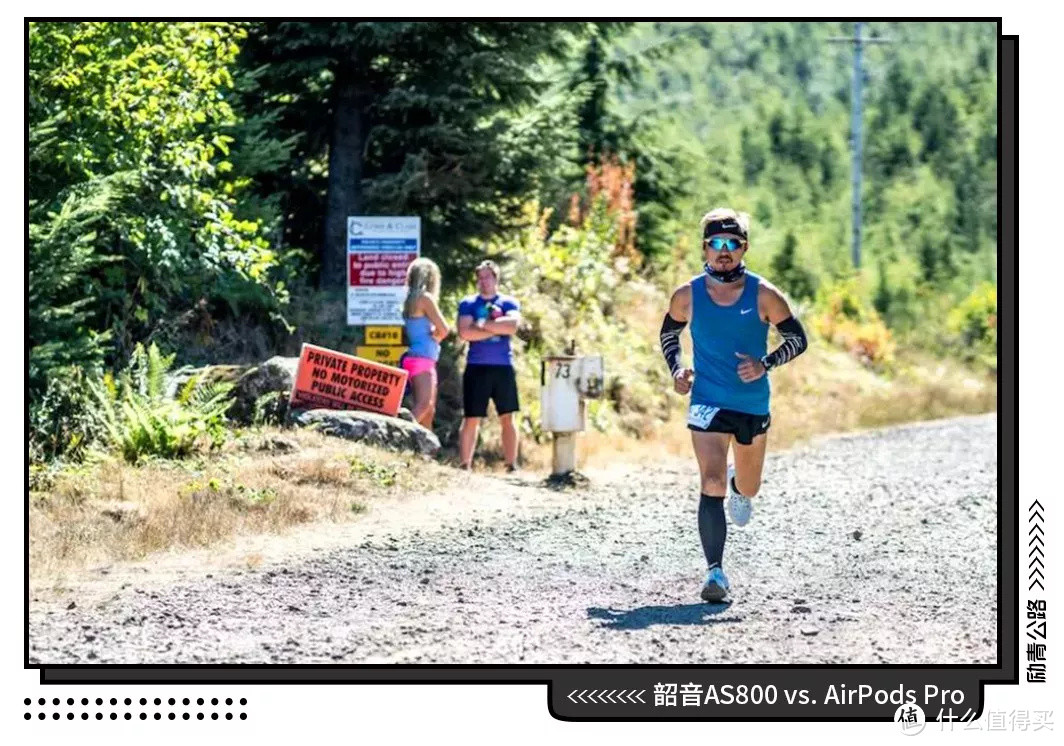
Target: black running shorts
{"x": 704, "y": 418}
{"x": 483, "y": 382}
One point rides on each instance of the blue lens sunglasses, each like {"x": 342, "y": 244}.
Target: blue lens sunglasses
{"x": 717, "y": 243}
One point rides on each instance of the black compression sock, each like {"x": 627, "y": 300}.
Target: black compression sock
{"x": 712, "y": 528}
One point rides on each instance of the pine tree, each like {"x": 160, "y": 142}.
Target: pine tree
{"x": 789, "y": 273}
{"x": 406, "y": 118}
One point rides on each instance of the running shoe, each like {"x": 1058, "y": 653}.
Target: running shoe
{"x": 716, "y": 586}
{"x": 739, "y": 508}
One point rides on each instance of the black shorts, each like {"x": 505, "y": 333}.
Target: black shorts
{"x": 709, "y": 419}
{"x": 483, "y": 382}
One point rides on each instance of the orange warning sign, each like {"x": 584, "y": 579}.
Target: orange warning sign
{"x": 326, "y": 379}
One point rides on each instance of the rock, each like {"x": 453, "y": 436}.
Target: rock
{"x": 801, "y": 610}
{"x": 810, "y": 631}
{"x": 406, "y": 414}
{"x": 369, "y": 427}
{"x": 856, "y": 535}
{"x": 275, "y": 378}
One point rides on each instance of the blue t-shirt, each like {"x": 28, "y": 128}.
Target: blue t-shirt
{"x": 493, "y": 350}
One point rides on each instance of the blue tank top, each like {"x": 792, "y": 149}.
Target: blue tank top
{"x": 419, "y": 335}
{"x": 717, "y": 333}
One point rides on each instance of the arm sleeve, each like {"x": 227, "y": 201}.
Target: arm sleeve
{"x": 670, "y": 342}
{"x": 794, "y": 344}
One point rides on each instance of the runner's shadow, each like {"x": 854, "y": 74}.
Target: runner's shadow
{"x": 647, "y": 616}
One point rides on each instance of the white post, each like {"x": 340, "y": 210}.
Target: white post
{"x": 564, "y": 454}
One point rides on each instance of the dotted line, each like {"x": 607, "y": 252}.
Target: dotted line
{"x": 129, "y": 716}
{"x": 127, "y": 701}
{"x": 157, "y": 701}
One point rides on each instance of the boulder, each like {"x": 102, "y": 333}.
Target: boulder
{"x": 369, "y": 427}
{"x": 275, "y": 377}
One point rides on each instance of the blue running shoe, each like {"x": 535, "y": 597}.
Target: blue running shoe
{"x": 716, "y": 586}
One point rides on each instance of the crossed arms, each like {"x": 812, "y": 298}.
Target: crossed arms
{"x": 470, "y": 331}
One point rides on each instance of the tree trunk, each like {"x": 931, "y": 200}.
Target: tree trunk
{"x": 345, "y": 174}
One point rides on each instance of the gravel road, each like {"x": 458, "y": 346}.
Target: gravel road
{"x": 877, "y": 547}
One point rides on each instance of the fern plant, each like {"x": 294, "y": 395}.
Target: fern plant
{"x": 141, "y": 422}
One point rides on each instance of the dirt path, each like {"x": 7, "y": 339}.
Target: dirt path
{"x": 871, "y": 548}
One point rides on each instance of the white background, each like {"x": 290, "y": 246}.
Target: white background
{"x": 518, "y": 714}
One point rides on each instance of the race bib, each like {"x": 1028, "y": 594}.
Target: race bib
{"x": 700, "y": 415}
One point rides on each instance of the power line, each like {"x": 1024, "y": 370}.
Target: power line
{"x": 858, "y": 40}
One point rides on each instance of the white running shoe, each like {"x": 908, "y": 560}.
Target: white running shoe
{"x": 716, "y": 586}
{"x": 739, "y": 508}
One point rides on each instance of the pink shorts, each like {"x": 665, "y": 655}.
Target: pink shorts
{"x": 415, "y": 366}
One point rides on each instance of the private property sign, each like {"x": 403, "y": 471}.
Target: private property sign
{"x": 326, "y": 379}
{"x": 379, "y": 250}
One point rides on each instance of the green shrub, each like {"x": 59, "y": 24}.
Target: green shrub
{"x": 974, "y": 321}
{"x": 139, "y": 421}
{"x": 63, "y": 421}
{"x": 845, "y": 317}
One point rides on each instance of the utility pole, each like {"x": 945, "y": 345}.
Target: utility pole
{"x": 858, "y": 40}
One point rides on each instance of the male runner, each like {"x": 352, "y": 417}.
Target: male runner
{"x": 729, "y": 309}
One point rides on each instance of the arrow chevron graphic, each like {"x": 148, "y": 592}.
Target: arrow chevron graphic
{"x": 1038, "y": 560}
{"x": 1034, "y": 504}
{"x": 1031, "y": 574}
{"x": 1037, "y": 515}
{"x": 1036, "y": 549}
{"x": 607, "y": 696}
{"x": 1037, "y": 528}
{"x": 1034, "y": 539}
{"x": 1038, "y": 583}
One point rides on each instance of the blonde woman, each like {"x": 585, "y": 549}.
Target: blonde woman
{"x": 425, "y": 328}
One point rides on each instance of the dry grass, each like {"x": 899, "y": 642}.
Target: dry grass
{"x": 112, "y": 511}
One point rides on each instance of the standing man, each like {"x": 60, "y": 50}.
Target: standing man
{"x": 487, "y": 320}
{"x": 729, "y": 309}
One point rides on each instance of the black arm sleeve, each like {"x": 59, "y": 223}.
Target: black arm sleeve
{"x": 670, "y": 341}
{"x": 793, "y": 345}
